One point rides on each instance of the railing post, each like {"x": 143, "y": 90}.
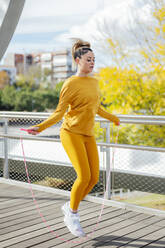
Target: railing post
{"x": 108, "y": 169}
{"x": 5, "y": 168}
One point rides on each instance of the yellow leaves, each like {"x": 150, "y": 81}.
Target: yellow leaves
{"x": 136, "y": 91}
{"x": 163, "y": 28}
{"x": 155, "y": 60}
{"x": 4, "y": 79}
{"x": 113, "y": 45}
{"x": 160, "y": 13}
{"x": 144, "y": 54}
{"x": 157, "y": 30}
{"x": 160, "y": 48}
{"x": 128, "y": 91}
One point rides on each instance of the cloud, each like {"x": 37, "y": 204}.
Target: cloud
{"x": 51, "y": 24}
{"x": 126, "y": 21}
{"x": 42, "y": 8}
{"x": 117, "y": 20}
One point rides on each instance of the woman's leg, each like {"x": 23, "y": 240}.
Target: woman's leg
{"x": 76, "y": 151}
{"x": 93, "y": 158}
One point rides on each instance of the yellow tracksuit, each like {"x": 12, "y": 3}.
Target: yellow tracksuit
{"x": 81, "y": 95}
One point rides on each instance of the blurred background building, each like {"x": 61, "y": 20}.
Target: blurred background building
{"x": 58, "y": 63}
{"x": 7, "y": 75}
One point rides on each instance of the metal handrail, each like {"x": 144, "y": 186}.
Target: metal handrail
{"x": 6, "y": 116}
{"x": 131, "y": 119}
{"x": 133, "y": 147}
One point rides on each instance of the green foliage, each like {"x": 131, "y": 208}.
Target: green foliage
{"x": 23, "y": 100}
{"x": 31, "y": 92}
{"x": 8, "y": 95}
{"x": 100, "y": 133}
{"x": 45, "y": 99}
{"x": 25, "y": 95}
{"x": 58, "y": 87}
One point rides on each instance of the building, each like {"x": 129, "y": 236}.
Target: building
{"x": 10, "y": 72}
{"x": 20, "y": 61}
{"x": 59, "y": 63}
{"x": 62, "y": 65}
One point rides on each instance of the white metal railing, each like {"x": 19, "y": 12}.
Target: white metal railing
{"x": 138, "y": 119}
{"x": 131, "y": 119}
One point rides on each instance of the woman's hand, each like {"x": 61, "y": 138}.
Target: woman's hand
{"x": 33, "y": 130}
{"x": 117, "y": 123}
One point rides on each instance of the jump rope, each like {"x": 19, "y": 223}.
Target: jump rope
{"x": 82, "y": 239}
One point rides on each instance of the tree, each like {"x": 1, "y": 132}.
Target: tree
{"x": 45, "y": 100}
{"x": 128, "y": 88}
{"x": 25, "y": 96}
{"x": 4, "y": 79}
{"x": 8, "y": 96}
{"x": 23, "y": 100}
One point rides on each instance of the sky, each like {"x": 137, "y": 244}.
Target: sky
{"x": 50, "y": 25}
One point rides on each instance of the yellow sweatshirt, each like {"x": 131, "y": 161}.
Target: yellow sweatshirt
{"x": 81, "y": 96}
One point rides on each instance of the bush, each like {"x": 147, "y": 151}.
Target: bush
{"x": 23, "y": 97}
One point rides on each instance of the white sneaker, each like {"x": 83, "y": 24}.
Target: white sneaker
{"x": 66, "y": 208}
{"x": 72, "y": 221}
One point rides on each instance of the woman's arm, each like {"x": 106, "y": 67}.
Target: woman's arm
{"x": 56, "y": 116}
{"x": 108, "y": 116}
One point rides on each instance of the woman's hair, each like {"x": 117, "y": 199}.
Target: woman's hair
{"x": 79, "y": 48}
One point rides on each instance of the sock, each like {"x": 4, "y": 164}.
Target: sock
{"x": 73, "y": 211}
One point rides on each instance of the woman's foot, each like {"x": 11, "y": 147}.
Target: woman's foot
{"x": 72, "y": 221}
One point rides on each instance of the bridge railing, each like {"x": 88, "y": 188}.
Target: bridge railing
{"x": 135, "y": 167}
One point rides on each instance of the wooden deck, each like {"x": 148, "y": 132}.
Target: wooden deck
{"x": 21, "y": 226}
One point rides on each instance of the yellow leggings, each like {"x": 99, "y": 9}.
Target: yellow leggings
{"x": 83, "y": 154}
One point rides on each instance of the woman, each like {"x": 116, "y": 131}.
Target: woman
{"x": 80, "y": 93}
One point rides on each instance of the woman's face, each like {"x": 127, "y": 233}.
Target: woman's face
{"x": 86, "y": 62}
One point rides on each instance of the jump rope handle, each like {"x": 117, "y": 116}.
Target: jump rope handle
{"x": 26, "y": 130}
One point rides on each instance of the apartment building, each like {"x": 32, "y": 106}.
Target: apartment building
{"x": 59, "y": 62}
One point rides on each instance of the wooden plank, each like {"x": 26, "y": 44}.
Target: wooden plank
{"x": 17, "y": 203}
{"x": 33, "y": 210}
{"x": 46, "y": 236}
{"x": 117, "y": 228}
{"x": 161, "y": 223}
{"x": 26, "y": 216}
{"x": 59, "y": 218}
{"x": 133, "y": 232}
{"x": 4, "y": 186}
{"x": 16, "y": 195}
{"x": 55, "y": 242}
{"x": 42, "y": 203}
{"x": 28, "y": 221}
{"x": 157, "y": 243}
{"x": 37, "y": 230}
{"x": 147, "y": 239}
{"x": 109, "y": 233}
{"x": 12, "y": 188}
{"x": 128, "y": 242}
{"x": 28, "y": 213}
{"x": 32, "y": 220}
{"x": 106, "y": 218}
